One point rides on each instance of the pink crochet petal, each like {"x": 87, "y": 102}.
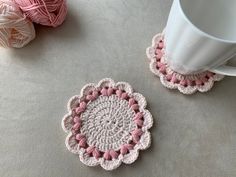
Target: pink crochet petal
{"x": 90, "y": 149}
{"x": 137, "y": 132}
{"x": 79, "y": 137}
{"x": 90, "y": 98}
{"x": 135, "y": 107}
{"x": 132, "y": 101}
{"x": 123, "y": 150}
{"x": 136, "y": 135}
{"x": 79, "y": 110}
{"x": 82, "y": 142}
{"x": 124, "y": 95}
{"x": 107, "y": 155}
{"x": 135, "y": 138}
{"x": 95, "y": 94}
{"x": 110, "y": 91}
{"x": 76, "y": 126}
{"x": 129, "y": 146}
{"x": 139, "y": 115}
{"x": 139, "y": 122}
{"x": 82, "y": 105}
{"x": 140, "y": 99}
{"x": 104, "y": 92}
{"x": 114, "y": 154}
{"x": 76, "y": 119}
{"x": 119, "y": 93}
{"x": 161, "y": 44}
{"x": 96, "y": 153}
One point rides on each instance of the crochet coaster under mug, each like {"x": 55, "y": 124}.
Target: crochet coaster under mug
{"x": 107, "y": 124}
{"x": 186, "y": 84}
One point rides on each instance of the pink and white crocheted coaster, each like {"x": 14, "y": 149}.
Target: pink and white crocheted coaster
{"x": 187, "y": 84}
{"x": 107, "y": 124}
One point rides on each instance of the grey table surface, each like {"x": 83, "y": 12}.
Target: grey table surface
{"x": 192, "y": 136}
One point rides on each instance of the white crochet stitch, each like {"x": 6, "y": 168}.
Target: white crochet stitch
{"x": 107, "y": 124}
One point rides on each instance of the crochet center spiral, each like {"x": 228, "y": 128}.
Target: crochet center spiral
{"x": 107, "y": 122}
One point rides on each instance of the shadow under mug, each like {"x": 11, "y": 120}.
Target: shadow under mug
{"x": 200, "y": 35}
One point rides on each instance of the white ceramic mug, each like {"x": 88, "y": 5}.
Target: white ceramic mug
{"x": 201, "y": 35}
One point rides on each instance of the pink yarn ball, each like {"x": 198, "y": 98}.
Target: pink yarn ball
{"x": 15, "y": 29}
{"x": 44, "y": 12}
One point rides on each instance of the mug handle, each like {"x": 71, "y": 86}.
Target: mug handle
{"x": 225, "y": 70}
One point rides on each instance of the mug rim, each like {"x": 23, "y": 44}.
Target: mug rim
{"x": 201, "y": 31}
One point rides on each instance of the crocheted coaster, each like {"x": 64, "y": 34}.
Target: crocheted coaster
{"x": 187, "y": 84}
{"x": 107, "y": 124}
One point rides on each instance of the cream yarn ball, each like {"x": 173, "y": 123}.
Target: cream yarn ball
{"x": 15, "y": 29}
